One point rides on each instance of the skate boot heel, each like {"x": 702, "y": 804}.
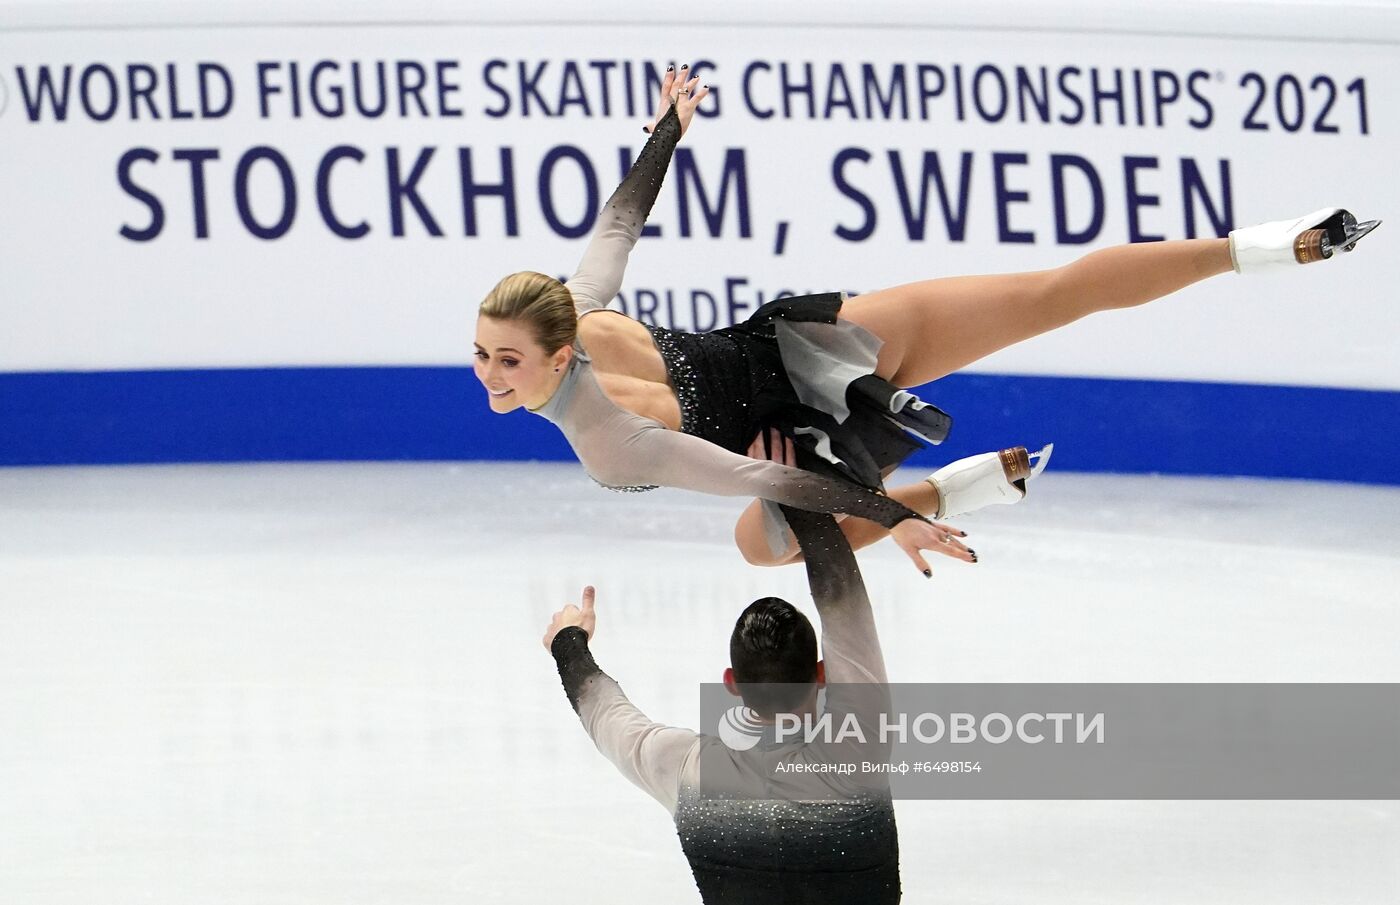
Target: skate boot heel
{"x": 1340, "y": 232}
{"x": 1305, "y": 240}
{"x": 1312, "y": 245}
{"x": 1016, "y": 463}
{"x": 986, "y": 480}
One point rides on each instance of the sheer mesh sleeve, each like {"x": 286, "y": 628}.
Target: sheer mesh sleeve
{"x": 850, "y": 643}
{"x": 599, "y": 274}
{"x": 856, "y": 683}
{"x": 673, "y": 459}
{"x": 651, "y": 755}
{"x": 575, "y": 661}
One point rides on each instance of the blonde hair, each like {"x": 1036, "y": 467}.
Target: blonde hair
{"x": 541, "y": 302}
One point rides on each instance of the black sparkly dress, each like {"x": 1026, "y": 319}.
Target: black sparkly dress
{"x": 793, "y": 365}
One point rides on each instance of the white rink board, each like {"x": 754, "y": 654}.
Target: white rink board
{"x": 81, "y": 296}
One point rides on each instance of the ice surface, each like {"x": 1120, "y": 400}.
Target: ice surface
{"x": 324, "y": 683}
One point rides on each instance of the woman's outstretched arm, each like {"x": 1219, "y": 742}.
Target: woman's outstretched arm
{"x": 667, "y": 458}
{"x": 599, "y": 274}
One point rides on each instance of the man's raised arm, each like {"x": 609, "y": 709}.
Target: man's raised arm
{"x": 649, "y": 754}
{"x": 850, "y": 644}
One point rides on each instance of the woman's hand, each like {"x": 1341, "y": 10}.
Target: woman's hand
{"x": 678, "y": 89}
{"x": 914, "y": 535}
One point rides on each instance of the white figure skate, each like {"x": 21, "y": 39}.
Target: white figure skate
{"x": 1303, "y": 240}
{"x": 986, "y": 480}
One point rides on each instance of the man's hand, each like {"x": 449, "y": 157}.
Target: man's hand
{"x": 771, "y": 446}
{"x": 584, "y": 618}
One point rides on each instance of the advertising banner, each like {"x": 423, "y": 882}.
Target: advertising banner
{"x": 329, "y": 201}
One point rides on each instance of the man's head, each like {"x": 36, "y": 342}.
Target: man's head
{"x": 773, "y": 658}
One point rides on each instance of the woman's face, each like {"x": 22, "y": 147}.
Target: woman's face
{"x": 513, "y": 367}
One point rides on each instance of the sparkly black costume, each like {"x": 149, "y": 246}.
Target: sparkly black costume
{"x": 733, "y": 382}
{"x": 793, "y": 365}
{"x": 774, "y": 843}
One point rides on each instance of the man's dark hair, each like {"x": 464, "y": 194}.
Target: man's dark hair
{"x": 773, "y": 652}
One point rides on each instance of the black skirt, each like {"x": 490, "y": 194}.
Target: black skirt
{"x": 733, "y": 382}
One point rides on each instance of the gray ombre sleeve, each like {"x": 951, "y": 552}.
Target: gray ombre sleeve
{"x": 673, "y": 459}
{"x": 856, "y": 682}
{"x": 651, "y": 755}
{"x": 622, "y": 449}
{"x": 599, "y": 275}
{"x": 850, "y": 643}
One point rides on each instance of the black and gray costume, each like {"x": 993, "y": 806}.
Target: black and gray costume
{"x": 793, "y": 365}
{"x": 837, "y": 846}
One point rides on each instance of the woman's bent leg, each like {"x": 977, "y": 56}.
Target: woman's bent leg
{"x": 753, "y": 541}
{"x": 933, "y": 328}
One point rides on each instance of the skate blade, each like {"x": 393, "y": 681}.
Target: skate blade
{"x": 1357, "y": 233}
{"x": 1043, "y": 459}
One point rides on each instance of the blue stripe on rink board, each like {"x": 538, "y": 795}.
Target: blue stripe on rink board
{"x": 388, "y": 413}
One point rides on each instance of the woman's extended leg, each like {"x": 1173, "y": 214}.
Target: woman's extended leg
{"x": 935, "y": 327}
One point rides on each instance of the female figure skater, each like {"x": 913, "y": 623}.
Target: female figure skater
{"x": 644, "y": 406}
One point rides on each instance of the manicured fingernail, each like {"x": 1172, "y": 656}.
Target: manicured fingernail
{"x": 928, "y": 573}
{"x": 963, "y": 533}
{"x": 646, "y": 130}
{"x": 669, "y": 68}
{"x": 685, "y": 65}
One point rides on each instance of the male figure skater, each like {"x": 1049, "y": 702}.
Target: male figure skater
{"x": 768, "y": 838}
